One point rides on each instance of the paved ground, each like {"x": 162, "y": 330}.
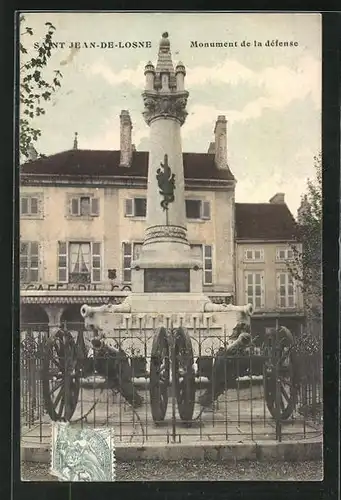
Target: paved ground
{"x": 189, "y": 470}
{"x": 237, "y": 417}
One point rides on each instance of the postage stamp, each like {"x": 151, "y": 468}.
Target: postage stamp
{"x": 85, "y": 454}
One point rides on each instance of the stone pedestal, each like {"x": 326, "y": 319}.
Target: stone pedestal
{"x": 165, "y": 264}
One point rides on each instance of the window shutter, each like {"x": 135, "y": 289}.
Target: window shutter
{"x": 96, "y": 262}
{"x": 24, "y": 249}
{"x": 34, "y": 261}
{"x": 206, "y": 210}
{"x": 95, "y": 206}
{"x": 208, "y": 267}
{"x": 278, "y": 278}
{"x": 246, "y": 279}
{"x": 62, "y": 262}
{"x": 295, "y": 287}
{"x": 74, "y": 206}
{"x": 34, "y": 205}
{"x": 126, "y": 264}
{"x": 262, "y": 290}
{"x": 24, "y": 205}
{"x": 129, "y": 207}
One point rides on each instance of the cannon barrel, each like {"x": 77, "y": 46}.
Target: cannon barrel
{"x": 243, "y": 310}
{"x": 89, "y": 311}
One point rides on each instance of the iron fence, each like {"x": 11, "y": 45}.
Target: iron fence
{"x": 174, "y": 389}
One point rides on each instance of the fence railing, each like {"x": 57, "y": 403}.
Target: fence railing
{"x": 172, "y": 389}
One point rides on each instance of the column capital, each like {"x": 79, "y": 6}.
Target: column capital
{"x": 171, "y": 105}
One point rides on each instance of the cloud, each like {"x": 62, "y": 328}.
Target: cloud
{"x": 280, "y": 85}
{"x": 133, "y": 76}
{"x": 249, "y": 191}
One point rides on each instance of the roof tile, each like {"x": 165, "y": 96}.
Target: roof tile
{"x": 264, "y": 221}
{"x": 99, "y": 163}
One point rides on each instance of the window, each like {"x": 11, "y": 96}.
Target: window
{"x": 254, "y": 289}
{"x": 135, "y": 207}
{"x": 29, "y": 261}
{"x": 286, "y": 290}
{"x": 29, "y": 206}
{"x": 204, "y": 253}
{"x": 254, "y": 254}
{"x": 283, "y": 254}
{"x": 79, "y": 262}
{"x": 131, "y": 251}
{"x": 84, "y": 206}
{"x": 198, "y": 209}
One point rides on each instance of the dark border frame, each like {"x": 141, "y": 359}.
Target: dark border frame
{"x": 10, "y": 299}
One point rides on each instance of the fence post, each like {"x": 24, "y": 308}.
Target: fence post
{"x": 278, "y": 388}
{"x": 173, "y": 363}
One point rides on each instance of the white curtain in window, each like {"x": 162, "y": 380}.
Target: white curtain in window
{"x": 80, "y": 258}
{"x": 137, "y": 250}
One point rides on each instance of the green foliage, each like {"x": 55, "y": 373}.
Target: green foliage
{"x": 35, "y": 88}
{"x": 306, "y": 267}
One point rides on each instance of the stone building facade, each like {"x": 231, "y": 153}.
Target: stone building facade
{"x": 82, "y": 222}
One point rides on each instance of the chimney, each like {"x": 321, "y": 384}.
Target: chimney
{"x": 125, "y": 139}
{"x": 278, "y": 199}
{"x": 220, "y": 142}
{"x": 211, "y": 148}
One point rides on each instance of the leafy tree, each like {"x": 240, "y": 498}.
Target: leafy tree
{"x": 35, "y": 87}
{"x": 306, "y": 266}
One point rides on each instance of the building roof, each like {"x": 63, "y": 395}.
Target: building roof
{"x": 97, "y": 163}
{"x": 264, "y": 221}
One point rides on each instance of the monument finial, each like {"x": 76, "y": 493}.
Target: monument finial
{"x": 164, "y": 43}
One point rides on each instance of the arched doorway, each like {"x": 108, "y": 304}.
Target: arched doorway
{"x": 71, "y": 318}
{"x": 34, "y": 322}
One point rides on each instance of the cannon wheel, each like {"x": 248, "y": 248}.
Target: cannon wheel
{"x": 184, "y": 374}
{"x": 60, "y": 376}
{"x": 159, "y": 375}
{"x": 281, "y": 359}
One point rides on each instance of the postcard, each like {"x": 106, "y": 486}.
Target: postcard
{"x": 170, "y": 246}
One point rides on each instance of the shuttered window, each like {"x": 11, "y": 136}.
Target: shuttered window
{"x": 286, "y": 290}
{"x": 135, "y": 207}
{"x": 198, "y": 209}
{"x": 82, "y": 206}
{"x": 254, "y": 254}
{"x": 29, "y": 205}
{"x": 130, "y": 251}
{"x": 284, "y": 254}
{"x": 204, "y": 253}
{"x": 254, "y": 289}
{"x": 29, "y": 261}
{"x": 79, "y": 262}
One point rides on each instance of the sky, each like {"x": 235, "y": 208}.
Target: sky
{"x": 271, "y": 96}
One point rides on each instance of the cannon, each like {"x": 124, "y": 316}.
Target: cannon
{"x": 172, "y": 365}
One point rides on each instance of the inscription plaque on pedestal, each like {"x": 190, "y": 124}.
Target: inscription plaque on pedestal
{"x": 166, "y": 280}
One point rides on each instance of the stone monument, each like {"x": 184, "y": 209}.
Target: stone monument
{"x": 166, "y": 279}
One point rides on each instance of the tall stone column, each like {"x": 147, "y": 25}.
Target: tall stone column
{"x": 165, "y": 245}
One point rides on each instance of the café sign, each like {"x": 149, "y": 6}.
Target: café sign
{"x": 77, "y": 287}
